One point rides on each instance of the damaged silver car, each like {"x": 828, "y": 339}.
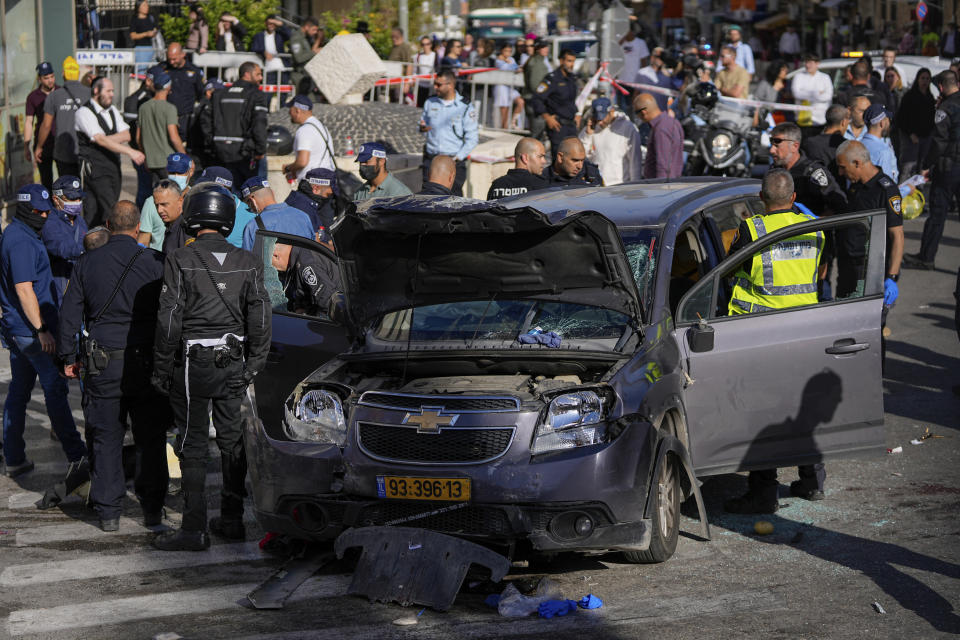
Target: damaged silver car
{"x": 552, "y": 371}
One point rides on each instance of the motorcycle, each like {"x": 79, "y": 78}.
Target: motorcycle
{"x": 722, "y": 140}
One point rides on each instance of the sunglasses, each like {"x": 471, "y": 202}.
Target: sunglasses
{"x": 777, "y": 141}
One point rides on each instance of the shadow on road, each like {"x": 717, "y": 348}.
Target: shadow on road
{"x": 920, "y": 388}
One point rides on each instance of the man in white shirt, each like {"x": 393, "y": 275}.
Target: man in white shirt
{"x": 103, "y": 136}
{"x": 613, "y": 143}
{"x": 312, "y": 144}
{"x": 635, "y": 52}
{"x": 814, "y": 88}
{"x": 790, "y": 44}
{"x": 744, "y": 52}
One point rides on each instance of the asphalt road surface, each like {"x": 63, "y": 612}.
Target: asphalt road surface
{"x": 887, "y": 533}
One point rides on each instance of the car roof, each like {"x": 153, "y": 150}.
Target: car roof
{"x": 643, "y": 203}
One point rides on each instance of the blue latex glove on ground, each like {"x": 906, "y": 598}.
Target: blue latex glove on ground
{"x": 890, "y": 291}
{"x": 590, "y": 602}
{"x": 552, "y": 608}
{"x": 492, "y": 600}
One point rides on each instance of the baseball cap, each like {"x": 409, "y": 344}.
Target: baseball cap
{"x": 302, "y": 102}
{"x": 154, "y": 71}
{"x": 370, "y": 150}
{"x": 178, "y": 164}
{"x": 71, "y": 70}
{"x": 44, "y": 69}
{"x": 323, "y": 177}
{"x": 735, "y": 27}
{"x": 600, "y": 107}
{"x": 34, "y": 196}
{"x": 68, "y": 187}
{"x": 874, "y": 114}
{"x": 220, "y": 175}
{"x": 213, "y": 84}
{"x": 161, "y": 79}
{"x": 252, "y": 185}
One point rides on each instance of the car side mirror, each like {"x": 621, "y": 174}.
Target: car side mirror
{"x": 700, "y": 337}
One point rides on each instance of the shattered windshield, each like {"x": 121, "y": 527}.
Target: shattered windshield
{"x": 641, "y": 247}
{"x": 502, "y": 320}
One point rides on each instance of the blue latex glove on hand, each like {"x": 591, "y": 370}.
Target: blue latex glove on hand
{"x": 552, "y": 608}
{"x": 590, "y": 602}
{"x": 890, "y": 291}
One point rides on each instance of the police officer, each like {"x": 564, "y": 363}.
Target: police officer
{"x": 555, "y": 100}
{"x": 168, "y": 198}
{"x": 187, "y": 85}
{"x": 451, "y": 127}
{"x": 571, "y": 167}
{"x": 318, "y": 196}
{"x": 796, "y": 277}
{"x": 28, "y": 325}
{"x": 237, "y": 124}
{"x": 814, "y": 184}
{"x": 308, "y": 281}
{"x": 529, "y": 160}
{"x": 64, "y": 230}
{"x": 944, "y": 161}
{"x": 870, "y": 189}
{"x": 200, "y": 147}
{"x": 378, "y": 182}
{"x": 303, "y": 45}
{"x": 131, "y": 114}
{"x": 213, "y": 334}
{"x": 443, "y": 171}
{"x": 113, "y": 299}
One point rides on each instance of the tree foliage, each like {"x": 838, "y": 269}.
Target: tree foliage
{"x": 251, "y": 13}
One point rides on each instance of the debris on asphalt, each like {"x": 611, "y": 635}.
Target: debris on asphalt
{"x": 895, "y": 450}
{"x": 763, "y": 528}
{"x": 916, "y": 441}
{"x": 878, "y": 607}
{"x": 590, "y": 601}
{"x": 513, "y": 604}
{"x": 409, "y": 621}
{"x": 552, "y": 608}
{"x": 927, "y": 435}
{"x": 894, "y": 473}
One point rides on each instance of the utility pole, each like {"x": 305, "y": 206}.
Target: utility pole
{"x": 403, "y": 17}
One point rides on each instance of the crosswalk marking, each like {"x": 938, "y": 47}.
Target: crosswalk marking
{"x": 173, "y": 603}
{"x": 101, "y": 566}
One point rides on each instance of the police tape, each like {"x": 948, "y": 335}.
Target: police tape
{"x": 774, "y": 106}
{"x": 429, "y": 76}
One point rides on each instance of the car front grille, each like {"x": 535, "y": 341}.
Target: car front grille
{"x": 452, "y": 445}
{"x": 457, "y": 517}
{"x": 454, "y": 404}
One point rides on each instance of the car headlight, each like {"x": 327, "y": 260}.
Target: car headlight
{"x": 316, "y": 416}
{"x": 572, "y": 420}
{"x": 720, "y": 145}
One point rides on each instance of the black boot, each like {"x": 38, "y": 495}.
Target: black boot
{"x": 230, "y": 523}
{"x": 192, "y": 535}
{"x": 761, "y": 497}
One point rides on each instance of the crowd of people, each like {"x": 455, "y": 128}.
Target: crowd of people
{"x": 169, "y": 301}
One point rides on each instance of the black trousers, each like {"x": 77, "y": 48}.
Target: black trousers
{"x": 102, "y": 187}
{"x": 241, "y": 170}
{"x": 458, "y": 182}
{"x": 45, "y": 167}
{"x": 68, "y": 169}
{"x": 122, "y": 390}
{"x": 191, "y": 399}
{"x": 944, "y": 190}
{"x": 764, "y": 482}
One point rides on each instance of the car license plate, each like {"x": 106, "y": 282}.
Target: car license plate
{"x": 407, "y": 488}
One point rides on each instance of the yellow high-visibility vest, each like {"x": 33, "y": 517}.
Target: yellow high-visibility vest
{"x": 782, "y": 275}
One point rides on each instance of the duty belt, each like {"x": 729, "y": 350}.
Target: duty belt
{"x": 218, "y": 348}
{"x": 227, "y": 139}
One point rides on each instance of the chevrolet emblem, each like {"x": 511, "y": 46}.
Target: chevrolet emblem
{"x": 429, "y": 420}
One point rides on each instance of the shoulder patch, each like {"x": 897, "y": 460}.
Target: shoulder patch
{"x": 819, "y": 176}
{"x": 885, "y": 181}
{"x": 295, "y": 47}
{"x": 543, "y": 86}
{"x": 309, "y": 276}
{"x": 895, "y": 204}
{"x": 939, "y": 116}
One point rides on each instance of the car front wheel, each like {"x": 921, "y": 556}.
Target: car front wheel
{"x": 665, "y": 517}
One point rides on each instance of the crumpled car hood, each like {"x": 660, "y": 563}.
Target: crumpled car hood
{"x": 396, "y": 253}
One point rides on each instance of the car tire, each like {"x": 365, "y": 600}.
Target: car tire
{"x": 665, "y": 520}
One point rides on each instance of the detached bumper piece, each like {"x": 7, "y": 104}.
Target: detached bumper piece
{"x": 414, "y": 566}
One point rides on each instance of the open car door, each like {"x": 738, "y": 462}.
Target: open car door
{"x": 790, "y": 386}
{"x": 298, "y": 275}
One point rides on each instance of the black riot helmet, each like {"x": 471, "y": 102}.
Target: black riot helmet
{"x": 209, "y": 205}
{"x": 279, "y": 140}
{"x": 706, "y": 95}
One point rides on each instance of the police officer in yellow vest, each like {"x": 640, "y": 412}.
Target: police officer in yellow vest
{"x": 782, "y": 275}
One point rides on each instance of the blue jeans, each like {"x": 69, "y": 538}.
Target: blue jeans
{"x": 144, "y": 184}
{"x": 27, "y": 362}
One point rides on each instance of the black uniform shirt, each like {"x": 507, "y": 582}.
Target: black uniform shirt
{"x": 175, "y": 237}
{"x": 187, "y": 86}
{"x": 589, "y": 176}
{"x": 515, "y": 182}
{"x": 880, "y": 192}
{"x": 556, "y": 95}
{"x": 131, "y": 111}
{"x": 823, "y": 149}
{"x": 816, "y": 187}
{"x": 434, "y": 189}
{"x": 309, "y": 281}
{"x": 945, "y": 141}
{"x": 131, "y": 317}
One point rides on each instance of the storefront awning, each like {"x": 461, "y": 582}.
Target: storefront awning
{"x": 773, "y": 22}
